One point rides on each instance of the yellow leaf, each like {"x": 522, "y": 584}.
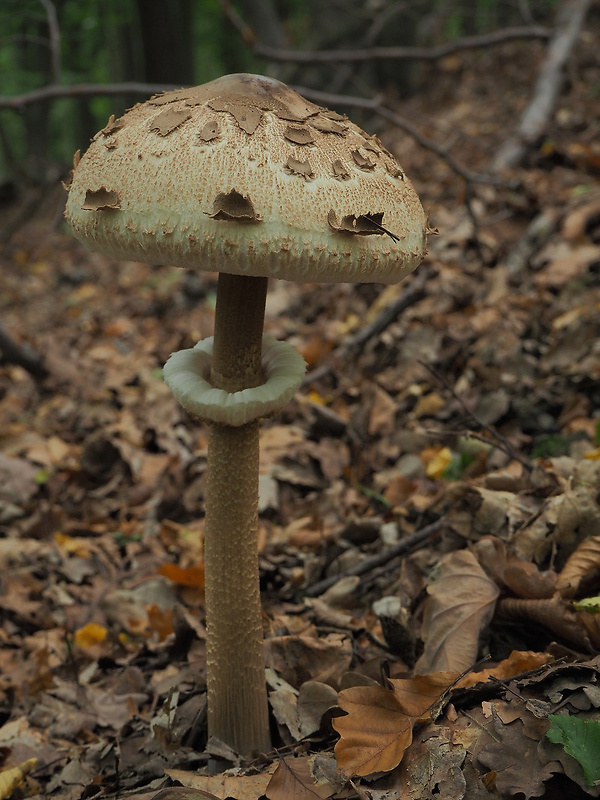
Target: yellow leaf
{"x": 89, "y": 635}
{"x": 11, "y": 778}
{"x": 437, "y": 465}
{"x": 593, "y": 455}
{"x": 72, "y": 545}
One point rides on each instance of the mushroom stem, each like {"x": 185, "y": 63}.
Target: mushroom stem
{"x": 237, "y": 695}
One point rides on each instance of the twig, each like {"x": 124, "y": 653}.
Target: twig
{"x": 399, "y": 53}
{"x": 377, "y": 105}
{"x": 412, "y": 294}
{"x": 52, "y": 91}
{"x": 54, "y": 39}
{"x": 238, "y": 23}
{"x": 502, "y": 443}
{"x": 405, "y": 546}
{"x": 22, "y": 355}
{"x": 548, "y": 86}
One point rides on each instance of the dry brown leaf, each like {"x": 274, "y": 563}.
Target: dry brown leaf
{"x": 461, "y": 603}
{"x": 580, "y": 564}
{"x": 181, "y": 793}
{"x": 554, "y": 613}
{"x": 11, "y": 778}
{"x": 293, "y": 780}
{"x": 518, "y": 662}
{"x": 239, "y": 787}
{"x": 523, "y": 578}
{"x": 378, "y": 726}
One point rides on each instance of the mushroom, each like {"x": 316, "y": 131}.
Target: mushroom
{"x": 245, "y": 177}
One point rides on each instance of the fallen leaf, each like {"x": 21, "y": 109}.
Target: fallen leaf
{"x": 379, "y": 722}
{"x": 184, "y": 576}
{"x": 293, "y": 780}
{"x": 10, "y": 779}
{"x": 89, "y": 635}
{"x": 461, "y": 603}
{"x": 238, "y": 787}
{"x": 581, "y": 564}
{"x": 518, "y": 662}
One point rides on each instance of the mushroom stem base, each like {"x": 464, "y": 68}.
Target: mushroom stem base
{"x": 237, "y": 696}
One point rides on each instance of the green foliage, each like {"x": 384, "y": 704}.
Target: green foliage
{"x": 455, "y": 469}
{"x": 581, "y": 740}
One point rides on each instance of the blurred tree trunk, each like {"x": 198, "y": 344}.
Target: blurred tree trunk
{"x": 167, "y": 41}
{"x": 34, "y": 58}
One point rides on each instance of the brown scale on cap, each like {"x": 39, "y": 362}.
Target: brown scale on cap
{"x": 297, "y": 166}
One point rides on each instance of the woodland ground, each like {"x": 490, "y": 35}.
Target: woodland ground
{"x": 476, "y": 411}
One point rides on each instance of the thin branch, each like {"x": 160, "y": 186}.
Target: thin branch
{"x": 411, "y": 295}
{"x": 19, "y": 101}
{"x": 569, "y": 21}
{"x": 238, "y": 23}
{"x": 392, "y": 53}
{"x": 403, "y": 547}
{"x": 22, "y": 355}
{"x": 54, "y": 36}
{"x": 377, "y": 106}
{"x": 501, "y": 442}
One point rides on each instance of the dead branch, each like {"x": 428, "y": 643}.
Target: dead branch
{"x": 54, "y": 39}
{"x": 377, "y": 106}
{"x": 499, "y": 441}
{"x": 412, "y": 294}
{"x": 52, "y": 91}
{"x": 22, "y": 355}
{"x": 403, "y": 547}
{"x": 538, "y": 113}
{"x": 384, "y": 53}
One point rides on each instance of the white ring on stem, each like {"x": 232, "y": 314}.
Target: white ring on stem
{"x": 187, "y": 373}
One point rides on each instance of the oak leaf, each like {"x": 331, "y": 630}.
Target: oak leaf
{"x": 379, "y": 722}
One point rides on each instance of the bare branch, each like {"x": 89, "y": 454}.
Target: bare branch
{"x": 407, "y": 545}
{"x": 377, "y": 105}
{"x": 23, "y": 355}
{"x": 500, "y": 441}
{"x": 53, "y": 91}
{"x": 54, "y": 35}
{"x": 395, "y": 53}
{"x": 414, "y": 292}
{"x": 548, "y": 86}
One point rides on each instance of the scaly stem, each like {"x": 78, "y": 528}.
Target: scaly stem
{"x": 237, "y": 695}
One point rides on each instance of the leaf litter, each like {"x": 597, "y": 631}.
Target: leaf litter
{"x": 473, "y": 416}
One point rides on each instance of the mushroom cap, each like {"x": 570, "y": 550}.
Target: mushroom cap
{"x": 243, "y": 175}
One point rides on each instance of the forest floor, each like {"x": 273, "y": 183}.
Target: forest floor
{"x": 474, "y": 416}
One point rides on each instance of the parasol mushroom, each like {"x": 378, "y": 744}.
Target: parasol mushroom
{"x": 245, "y": 177}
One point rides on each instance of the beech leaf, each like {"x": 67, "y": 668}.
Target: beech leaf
{"x": 460, "y": 605}
{"x": 583, "y": 562}
{"x": 293, "y": 780}
{"x": 378, "y": 726}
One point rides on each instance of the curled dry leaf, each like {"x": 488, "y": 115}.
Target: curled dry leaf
{"x": 522, "y": 578}
{"x": 461, "y": 603}
{"x": 518, "y": 662}
{"x": 581, "y": 564}
{"x": 554, "y": 614}
{"x": 379, "y": 722}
